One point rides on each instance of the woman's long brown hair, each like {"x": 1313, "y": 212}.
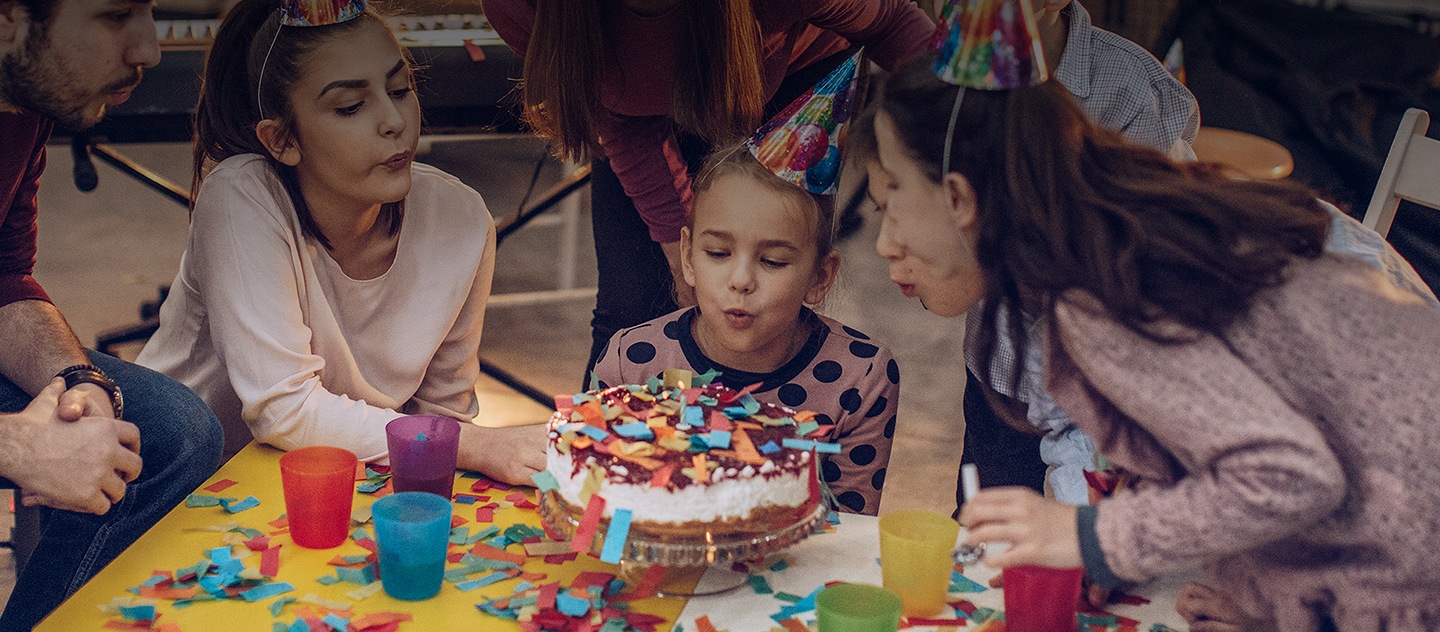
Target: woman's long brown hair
{"x": 719, "y": 96}
{"x": 1065, "y": 204}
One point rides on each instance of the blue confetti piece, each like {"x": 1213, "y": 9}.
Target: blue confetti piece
{"x": 749, "y": 403}
{"x": 335, "y": 621}
{"x": 265, "y": 591}
{"x": 718, "y": 439}
{"x": 138, "y": 613}
{"x": 570, "y": 427}
{"x": 615, "y": 537}
{"x": 827, "y": 448}
{"x": 154, "y": 579}
{"x": 481, "y": 582}
{"x": 220, "y": 555}
{"x": 420, "y": 436}
{"x": 962, "y": 584}
{"x": 798, "y": 444}
{"x": 360, "y": 534}
{"x": 695, "y": 416}
{"x": 632, "y": 431}
{"x": 805, "y": 604}
{"x": 469, "y": 500}
{"x": 654, "y": 384}
{"x": 545, "y": 481}
{"x": 249, "y": 502}
{"x": 571, "y": 606}
{"x": 594, "y": 433}
{"x": 299, "y": 626}
{"x": 277, "y": 606}
{"x": 769, "y": 448}
{"x": 365, "y": 575}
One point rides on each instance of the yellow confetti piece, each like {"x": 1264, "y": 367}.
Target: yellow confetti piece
{"x": 676, "y": 378}
{"x": 250, "y": 572}
{"x": 216, "y": 527}
{"x": 113, "y": 606}
{"x": 657, "y": 421}
{"x": 360, "y": 515}
{"x": 332, "y": 604}
{"x": 593, "y": 478}
{"x": 364, "y": 592}
{"x": 678, "y": 443}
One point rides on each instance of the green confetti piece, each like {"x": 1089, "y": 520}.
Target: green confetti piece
{"x": 759, "y": 585}
{"x": 779, "y": 565}
{"x": 328, "y": 580}
{"x": 279, "y": 604}
{"x": 203, "y": 500}
{"x": 784, "y": 596}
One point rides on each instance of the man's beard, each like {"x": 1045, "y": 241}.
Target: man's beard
{"x": 28, "y": 82}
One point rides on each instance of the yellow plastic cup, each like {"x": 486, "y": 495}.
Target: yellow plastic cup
{"x": 915, "y": 558}
{"x": 857, "y": 608}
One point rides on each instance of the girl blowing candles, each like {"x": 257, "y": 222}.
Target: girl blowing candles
{"x": 1275, "y": 403}
{"x": 330, "y": 283}
{"x": 756, "y": 251}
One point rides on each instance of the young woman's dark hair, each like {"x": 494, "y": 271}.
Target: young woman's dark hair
{"x": 718, "y": 97}
{"x": 251, "y": 37}
{"x": 1065, "y": 204}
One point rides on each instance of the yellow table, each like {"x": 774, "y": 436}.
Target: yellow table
{"x": 176, "y": 543}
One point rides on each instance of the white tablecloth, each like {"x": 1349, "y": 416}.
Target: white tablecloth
{"x": 851, "y": 553}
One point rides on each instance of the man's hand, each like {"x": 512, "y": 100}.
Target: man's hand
{"x": 81, "y": 465}
{"x": 1207, "y": 610}
{"x": 86, "y": 400}
{"x": 509, "y": 455}
{"x": 1040, "y": 532}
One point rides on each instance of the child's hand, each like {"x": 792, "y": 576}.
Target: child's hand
{"x": 1207, "y": 610}
{"x": 1040, "y": 532}
{"x": 509, "y": 455}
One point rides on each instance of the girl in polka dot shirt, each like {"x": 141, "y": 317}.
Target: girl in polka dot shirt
{"x": 757, "y": 250}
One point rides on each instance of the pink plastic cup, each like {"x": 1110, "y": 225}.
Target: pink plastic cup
{"x": 1041, "y": 599}
{"x": 423, "y": 451}
{"x": 319, "y": 485}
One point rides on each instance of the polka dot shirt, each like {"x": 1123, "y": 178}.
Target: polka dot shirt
{"x": 850, "y": 381}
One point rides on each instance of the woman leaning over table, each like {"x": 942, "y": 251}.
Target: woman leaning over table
{"x": 1275, "y": 402}
{"x": 646, "y": 87}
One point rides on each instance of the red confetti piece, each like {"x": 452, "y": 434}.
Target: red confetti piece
{"x": 282, "y": 522}
{"x": 484, "y": 514}
{"x": 561, "y": 558}
{"x": 963, "y": 606}
{"x": 703, "y": 624}
{"x": 360, "y": 473}
{"x": 270, "y": 561}
{"x": 914, "y": 621}
{"x": 456, "y": 521}
{"x": 368, "y": 622}
{"x": 793, "y": 625}
{"x": 546, "y": 601}
{"x": 480, "y": 485}
{"x": 486, "y": 551}
{"x": 531, "y": 576}
{"x": 587, "y": 579}
{"x": 585, "y": 531}
{"x": 647, "y": 585}
{"x": 455, "y": 557}
{"x": 258, "y": 543}
{"x": 367, "y": 544}
{"x": 564, "y": 404}
{"x": 660, "y": 479}
{"x": 151, "y": 592}
{"x": 220, "y": 486}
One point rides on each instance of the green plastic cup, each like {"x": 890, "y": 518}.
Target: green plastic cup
{"x": 857, "y": 608}
{"x": 915, "y": 559}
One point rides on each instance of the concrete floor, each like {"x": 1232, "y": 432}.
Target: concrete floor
{"x": 103, "y": 253}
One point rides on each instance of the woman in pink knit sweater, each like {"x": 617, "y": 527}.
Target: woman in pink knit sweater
{"x": 1275, "y": 405}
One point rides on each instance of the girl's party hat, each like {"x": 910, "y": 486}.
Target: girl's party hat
{"x": 319, "y": 12}
{"x": 802, "y": 143}
{"x": 989, "y": 44}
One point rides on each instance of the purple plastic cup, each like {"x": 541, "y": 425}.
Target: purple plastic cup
{"x": 423, "y": 449}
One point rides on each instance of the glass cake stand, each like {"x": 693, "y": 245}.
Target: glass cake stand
{"x": 696, "y": 552}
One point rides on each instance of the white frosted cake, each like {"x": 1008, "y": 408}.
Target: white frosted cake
{"x": 642, "y": 448}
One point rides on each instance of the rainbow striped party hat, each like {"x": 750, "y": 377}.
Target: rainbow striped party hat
{"x": 801, "y": 144}
{"x": 989, "y": 44}
{"x": 319, "y": 12}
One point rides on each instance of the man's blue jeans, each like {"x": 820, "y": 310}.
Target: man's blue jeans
{"x": 180, "y": 443}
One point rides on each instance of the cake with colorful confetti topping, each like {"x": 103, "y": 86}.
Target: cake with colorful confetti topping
{"x": 689, "y": 458}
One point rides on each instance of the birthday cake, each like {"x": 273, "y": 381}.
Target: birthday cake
{"x": 685, "y": 460}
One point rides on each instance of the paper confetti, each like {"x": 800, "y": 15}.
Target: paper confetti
{"x": 616, "y": 536}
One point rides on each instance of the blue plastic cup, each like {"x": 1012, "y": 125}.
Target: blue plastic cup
{"x": 412, "y": 530}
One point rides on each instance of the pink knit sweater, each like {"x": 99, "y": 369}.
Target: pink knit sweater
{"x": 1297, "y": 457}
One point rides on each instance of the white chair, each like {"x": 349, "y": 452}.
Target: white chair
{"x": 1412, "y": 172}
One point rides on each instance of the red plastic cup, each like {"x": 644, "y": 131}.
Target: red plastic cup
{"x": 1042, "y": 599}
{"x": 423, "y": 452}
{"x": 319, "y": 485}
